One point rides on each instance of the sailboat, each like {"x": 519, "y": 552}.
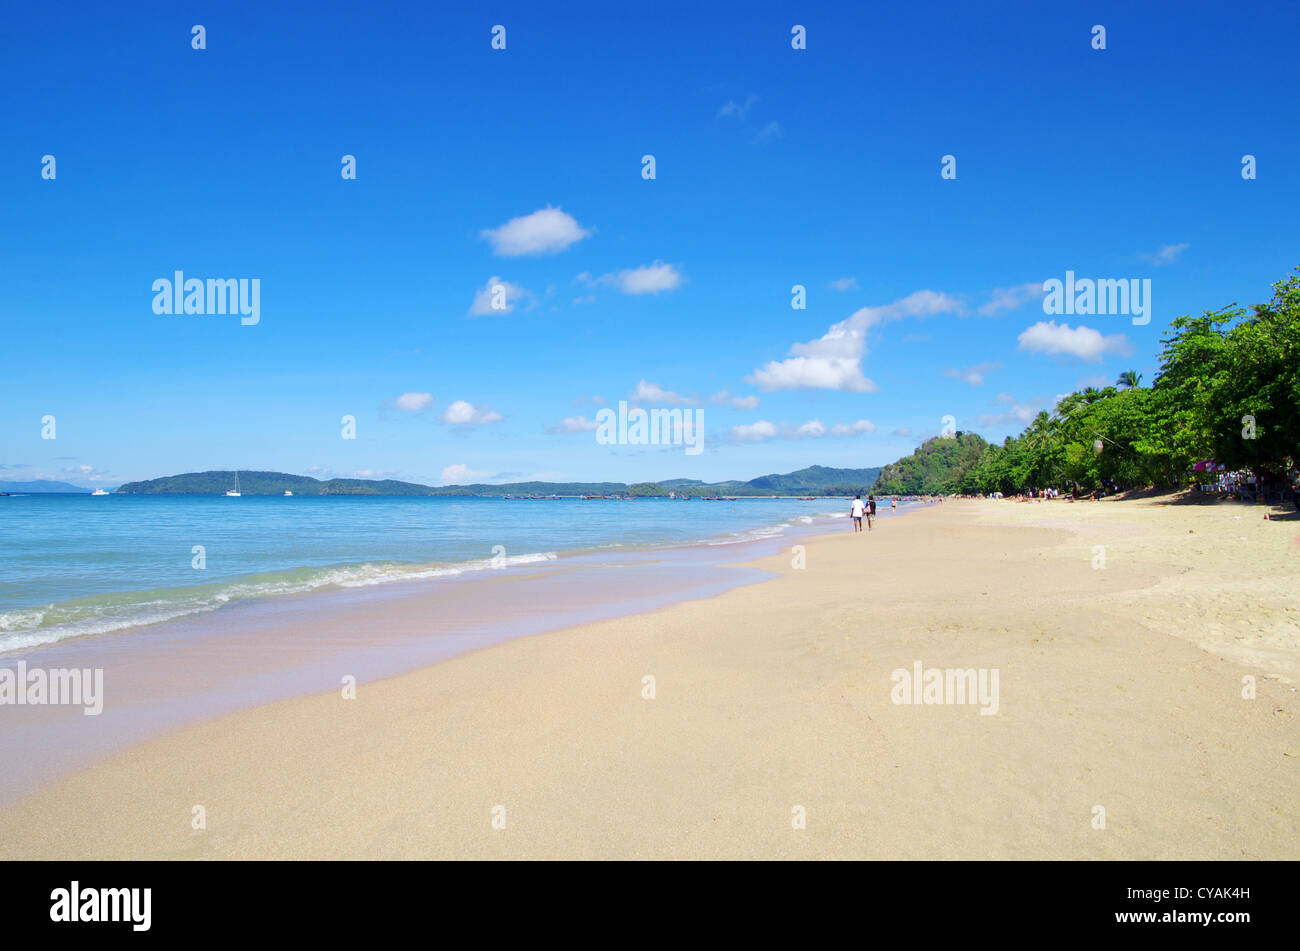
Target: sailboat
{"x": 100, "y": 492}
{"x": 287, "y": 493}
{"x": 235, "y": 493}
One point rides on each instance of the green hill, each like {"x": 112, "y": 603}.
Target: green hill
{"x": 42, "y": 485}
{"x": 815, "y": 480}
{"x": 935, "y": 468}
{"x": 216, "y": 482}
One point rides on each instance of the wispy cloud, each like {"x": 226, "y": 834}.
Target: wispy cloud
{"x": 760, "y": 431}
{"x": 769, "y": 132}
{"x": 1020, "y": 413}
{"x": 573, "y": 424}
{"x": 1166, "y": 255}
{"x": 844, "y": 284}
{"x": 723, "y": 398}
{"x": 737, "y": 110}
{"x": 413, "y": 402}
{"x": 461, "y": 474}
{"x": 1012, "y": 298}
{"x": 972, "y": 375}
{"x": 764, "y": 430}
{"x": 647, "y": 392}
{"x": 647, "y": 279}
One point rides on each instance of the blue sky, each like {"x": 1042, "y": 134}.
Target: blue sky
{"x": 774, "y": 166}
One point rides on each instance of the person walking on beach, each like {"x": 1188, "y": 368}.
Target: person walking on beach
{"x": 856, "y": 513}
{"x": 893, "y": 505}
{"x": 871, "y": 510}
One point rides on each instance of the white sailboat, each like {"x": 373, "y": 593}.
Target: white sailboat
{"x": 287, "y": 493}
{"x": 234, "y": 493}
{"x": 100, "y": 492}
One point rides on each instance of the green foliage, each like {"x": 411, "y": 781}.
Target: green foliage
{"x": 937, "y": 467}
{"x": 647, "y": 490}
{"x": 1228, "y": 390}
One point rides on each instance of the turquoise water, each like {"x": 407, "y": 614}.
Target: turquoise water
{"x": 77, "y": 565}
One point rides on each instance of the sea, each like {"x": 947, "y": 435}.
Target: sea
{"x": 80, "y": 565}
{"x": 191, "y": 607}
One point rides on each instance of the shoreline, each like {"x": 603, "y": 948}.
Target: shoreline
{"x": 162, "y": 604}
{"x": 199, "y": 666}
{"x": 1115, "y": 692}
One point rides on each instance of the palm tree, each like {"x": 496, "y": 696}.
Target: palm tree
{"x": 1129, "y": 379}
{"x": 1091, "y": 394}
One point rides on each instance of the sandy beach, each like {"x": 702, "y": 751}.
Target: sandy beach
{"x": 1120, "y": 688}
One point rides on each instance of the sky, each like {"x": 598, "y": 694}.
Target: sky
{"x": 521, "y": 169}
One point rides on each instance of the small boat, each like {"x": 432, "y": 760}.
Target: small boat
{"x": 99, "y": 492}
{"x": 287, "y": 493}
{"x": 234, "y": 493}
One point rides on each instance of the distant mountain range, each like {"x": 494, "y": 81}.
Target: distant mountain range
{"x": 42, "y": 485}
{"x": 815, "y": 480}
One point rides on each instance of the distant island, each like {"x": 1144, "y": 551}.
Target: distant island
{"x": 43, "y": 485}
{"x": 814, "y": 480}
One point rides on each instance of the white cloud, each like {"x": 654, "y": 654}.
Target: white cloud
{"x": 1004, "y": 398}
{"x": 574, "y": 424}
{"x": 1012, "y": 298}
{"x": 853, "y": 429}
{"x": 723, "y": 398}
{"x": 546, "y": 231}
{"x": 972, "y": 375}
{"x": 1166, "y": 255}
{"x": 834, "y": 361}
{"x": 461, "y": 413}
{"x": 770, "y": 131}
{"x": 733, "y": 108}
{"x": 461, "y": 474}
{"x": 1022, "y": 413}
{"x": 764, "y": 430}
{"x": 650, "y": 278}
{"x": 1084, "y": 343}
{"x": 654, "y": 393}
{"x": 508, "y": 294}
{"x": 845, "y": 284}
{"x": 754, "y": 432}
{"x": 902, "y": 431}
{"x": 414, "y": 402}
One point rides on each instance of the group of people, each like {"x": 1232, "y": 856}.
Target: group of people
{"x": 867, "y": 510}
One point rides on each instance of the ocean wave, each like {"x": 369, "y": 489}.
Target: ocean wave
{"x": 26, "y": 628}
